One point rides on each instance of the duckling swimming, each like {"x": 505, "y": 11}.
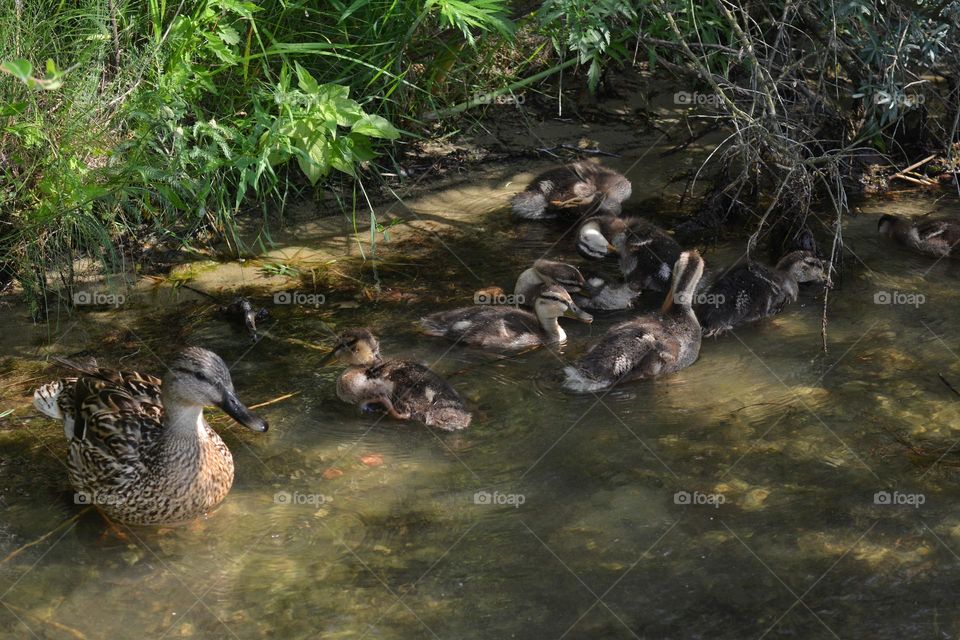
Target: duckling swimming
{"x": 938, "y": 238}
{"x": 500, "y": 327}
{"x": 407, "y": 390}
{"x": 542, "y": 274}
{"x": 647, "y": 252}
{"x": 140, "y": 448}
{"x": 648, "y": 346}
{"x": 581, "y": 187}
{"x": 752, "y": 291}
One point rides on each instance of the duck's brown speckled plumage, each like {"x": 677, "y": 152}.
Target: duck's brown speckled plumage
{"x": 407, "y": 390}
{"x": 581, "y": 188}
{"x": 648, "y": 346}
{"x": 939, "y": 238}
{"x": 125, "y": 458}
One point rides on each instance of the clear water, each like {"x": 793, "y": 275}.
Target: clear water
{"x": 383, "y": 537}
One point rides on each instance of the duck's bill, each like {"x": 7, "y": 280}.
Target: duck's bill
{"x": 573, "y": 311}
{"x": 239, "y": 412}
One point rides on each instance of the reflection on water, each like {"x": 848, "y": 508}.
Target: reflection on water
{"x": 348, "y": 526}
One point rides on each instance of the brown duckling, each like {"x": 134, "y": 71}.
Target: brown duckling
{"x": 648, "y": 346}
{"x": 937, "y": 238}
{"x": 752, "y": 291}
{"x": 581, "y": 188}
{"x": 406, "y": 390}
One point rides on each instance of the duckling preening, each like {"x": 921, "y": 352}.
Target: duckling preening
{"x": 406, "y": 390}
{"x": 581, "y": 188}
{"x": 752, "y": 291}
{"x": 140, "y": 448}
{"x": 938, "y": 238}
{"x": 647, "y": 253}
{"x": 542, "y": 274}
{"x": 242, "y": 312}
{"x": 650, "y": 345}
{"x": 503, "y": 327}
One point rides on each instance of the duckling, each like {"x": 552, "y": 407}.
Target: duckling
{"x": 647, "y": 252}
{"x": 242, "y": 312}
{"x": 600, "y": 295}
{"x": 648, "y": 346}
{"x": 752, "y": 291}
{"x": 542, "y": 274}
{"x": 937, "y": 238}
{"x": 500, "y": 327}
{"x": 140, "y": 448}
{"x": 582, "y": 187}
{"x": 407, "y": 390}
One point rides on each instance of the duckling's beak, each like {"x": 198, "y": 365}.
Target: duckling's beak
{"x": 236, "y": 410}
{"x": 573, "y": 311}
{"x": 611, "y": 248}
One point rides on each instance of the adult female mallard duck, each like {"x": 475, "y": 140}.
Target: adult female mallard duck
{"x": 647, "y": 252}
{"x": 648, "y": 346}
{"x": 937, "y": 238}
{"x": 140, "y": 448}
{"x": 501, "y": 327}
{"x": 407, "y": 390}
{"x": 581, "y": 187}
{"x": 752, "y": 291}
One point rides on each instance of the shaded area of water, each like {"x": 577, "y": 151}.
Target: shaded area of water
{"x": 348, "y": 526}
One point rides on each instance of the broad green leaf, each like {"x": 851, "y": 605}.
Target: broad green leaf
{"x": 229, "y": 35}
{"x": 376, "y": 127}
{"x": 12, "y": 109}
{"x": 305, "y": 80}
{"x": 19, "y": 69}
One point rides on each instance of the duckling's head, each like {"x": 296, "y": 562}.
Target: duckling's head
{"x": 199, "y": 378}
{"x": 686, "y": 275}
{"x": 555, "y": 302}
{"x": 888, "y": 223}
{"x": 565, "y": 275}
{"x": 803, "y": 266}
{"x": 591, "y": 243}
{"x": 356, "y": 347}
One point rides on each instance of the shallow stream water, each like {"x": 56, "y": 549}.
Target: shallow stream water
{"x": 735, "y": 499}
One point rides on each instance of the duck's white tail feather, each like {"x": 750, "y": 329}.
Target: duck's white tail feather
{"x": 529, "y": 205}
{"x": 46, "y": 399}
{"x": 576, "y": 381}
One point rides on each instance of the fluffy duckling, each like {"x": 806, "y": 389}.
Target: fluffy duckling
{"x": 937, "y": 238}
{"x": 600, "y": 295}
{"x": 752, "y": 291}
{"x": 581, "y": 187}
{"x": 407, "y": 390}
{"x": 650, "y": 345}
{"x": 647, "y": 252}
{"x": 542, "y": 274}
{"x": 501, "y": 327}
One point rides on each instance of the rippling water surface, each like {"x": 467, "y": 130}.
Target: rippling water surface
{"x": 554, "y": 515}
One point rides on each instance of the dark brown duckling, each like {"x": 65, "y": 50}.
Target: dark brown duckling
{"x": 581, "y": 188}
{"x": 406, "y": 390}
{"x": 938, "y": 238}
{"x": 752, "y": 291}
